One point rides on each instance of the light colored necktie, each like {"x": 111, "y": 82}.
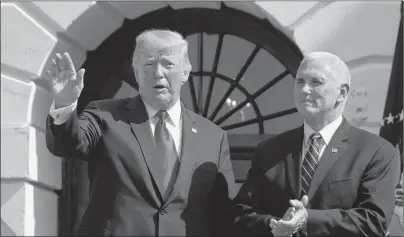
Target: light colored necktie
{"x": 165, "y": 148}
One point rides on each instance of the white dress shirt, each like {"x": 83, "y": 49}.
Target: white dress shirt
{"x": 173, "y": 121}
{"x": 61, "y": 115}
{"x": 326, "y": 133}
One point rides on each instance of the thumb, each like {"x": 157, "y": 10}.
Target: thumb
{"x": 305, "y": 200}
{"x": 80, "y": 78}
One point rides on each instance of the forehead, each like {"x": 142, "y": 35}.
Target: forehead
{"x": 316, "y": 69}
{"x": 158, "y": 49}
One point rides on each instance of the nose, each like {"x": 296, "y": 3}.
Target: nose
{"x": 306, "y": 88}
{"x": 158, "y": 71}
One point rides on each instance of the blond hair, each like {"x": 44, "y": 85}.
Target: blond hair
{"x": 167, "y": 38}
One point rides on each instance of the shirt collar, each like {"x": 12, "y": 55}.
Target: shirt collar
{"x": 326, "y": 133}
{"x": 174, "y": 113}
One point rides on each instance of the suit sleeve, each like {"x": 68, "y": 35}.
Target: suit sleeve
{"x": 374, "y": 206}
{"x": 76, "y": 137}
{"x": 224, "y": 191}
{"x": 248, "y": 220}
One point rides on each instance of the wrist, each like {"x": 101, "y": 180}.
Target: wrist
{"x": 60, "y": 104}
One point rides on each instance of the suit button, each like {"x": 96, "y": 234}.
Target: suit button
{"x": 163, "y": 212}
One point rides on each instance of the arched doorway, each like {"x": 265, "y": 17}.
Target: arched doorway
{"x": 237, "y": 61}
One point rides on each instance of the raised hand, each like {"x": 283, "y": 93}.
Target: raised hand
{"x": 64, "y": 83}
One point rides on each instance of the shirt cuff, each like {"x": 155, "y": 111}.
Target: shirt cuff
{"x": 61, "y": 115}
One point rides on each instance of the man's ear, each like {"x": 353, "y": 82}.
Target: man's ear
{"x": 344, "y": 90}
{"x": 135, "y": 70}
{"x": 185, "y": 76}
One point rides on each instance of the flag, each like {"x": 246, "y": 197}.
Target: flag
{"x": 392, "y": 123}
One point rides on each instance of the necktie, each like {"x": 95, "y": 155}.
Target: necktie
{"x": 310, "y": 161}
{"x": 165, "y": 148}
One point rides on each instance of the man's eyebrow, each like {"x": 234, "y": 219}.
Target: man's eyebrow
{"x": 318, "y": 78}
{"x": 149, "y": 58}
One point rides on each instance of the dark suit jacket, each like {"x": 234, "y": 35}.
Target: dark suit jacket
{"x": 351, "y": 193}
{"x": 114, "y": 136}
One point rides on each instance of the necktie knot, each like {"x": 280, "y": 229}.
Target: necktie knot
{"x": 314, "y": 136}
{"x": 162, "y": 115}
{"x": 316, "y": 140}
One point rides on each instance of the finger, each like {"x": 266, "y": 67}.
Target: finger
{"x": 285, "y": 224}
{"x": 284, "y": 227}
{"x": 296, "y": 203}
{"x": 54, "y": 71}
{"x": 297, "y": 217}
{"x": 80, "y": 78}
{"x": 288, "y": 216}
{"x": 45, "y": 79}
{"x": 289, "y": 213}
{"x": 49, "y": 78}
{"x": 68, "y": 62}
{"x": 292, "y": 209}
{"x": 59, "y": 62}
{"x": 273, "y": 224}
{"x": 305, "y": 200}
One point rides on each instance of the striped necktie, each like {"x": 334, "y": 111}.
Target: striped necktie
{"x": 310, "y": 161}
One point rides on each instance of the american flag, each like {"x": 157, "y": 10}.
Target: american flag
{"x": 392, "y": 124}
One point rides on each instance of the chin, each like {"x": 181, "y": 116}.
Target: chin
{"x": 308, "y": 111}
{"x": 162, "y": 102}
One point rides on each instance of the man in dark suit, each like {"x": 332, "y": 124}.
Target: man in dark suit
{"x": 325, "y": 177}
{"x": 160, "y": 169}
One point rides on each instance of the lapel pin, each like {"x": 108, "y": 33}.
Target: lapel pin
{"x": 194, "y": 130}
{"x": 334, "y": 150}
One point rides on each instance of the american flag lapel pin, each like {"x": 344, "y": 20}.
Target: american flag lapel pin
{"x": 194, "y": 130}
{"x": 334, "y": 150}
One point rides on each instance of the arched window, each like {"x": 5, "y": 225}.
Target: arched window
{"x": 236, "y": 59}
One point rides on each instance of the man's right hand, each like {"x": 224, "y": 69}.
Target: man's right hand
{"x": 294, "y": 219}
{"x": 64, "y": 83}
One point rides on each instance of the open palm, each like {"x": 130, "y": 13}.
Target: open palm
{"x": 65, "y": 84}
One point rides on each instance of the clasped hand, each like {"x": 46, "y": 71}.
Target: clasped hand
{"x": 293, "y": 220}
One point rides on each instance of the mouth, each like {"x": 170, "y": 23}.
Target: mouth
{"x": 159, "y": 87}
{"x": 307, "y": 102}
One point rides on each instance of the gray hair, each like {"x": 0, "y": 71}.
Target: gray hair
{"x": 170, "y": 38}
{"x": 339, "y": 69}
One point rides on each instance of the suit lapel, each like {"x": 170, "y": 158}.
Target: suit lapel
{"x": 293, "y": 162}
{"x": 331, "y": 154}
{"x": 188, "y": 148}
{"x": 140, "y": 126}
